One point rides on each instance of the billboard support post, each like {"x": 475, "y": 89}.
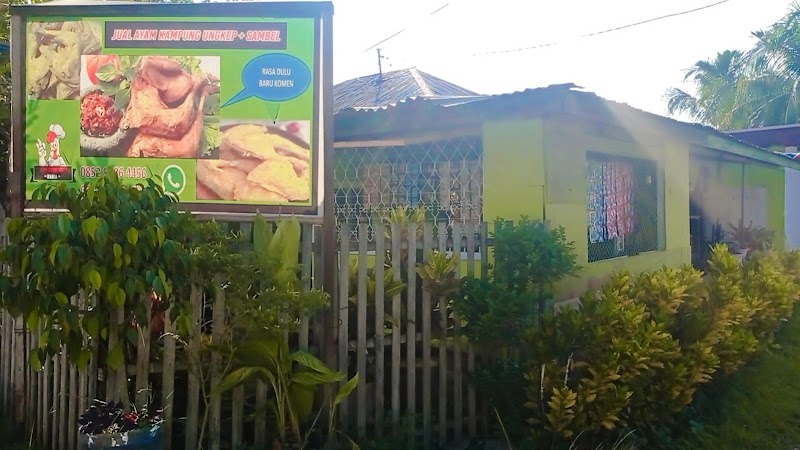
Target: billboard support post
{"x": 329, "y": 251}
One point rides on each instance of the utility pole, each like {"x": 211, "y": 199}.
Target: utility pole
{"x": 380, "y": 68}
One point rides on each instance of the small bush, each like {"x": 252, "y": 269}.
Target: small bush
{"x": 631, "y": 355}
{"x": 634, "y": 353}
{"x": 500, "y": 312}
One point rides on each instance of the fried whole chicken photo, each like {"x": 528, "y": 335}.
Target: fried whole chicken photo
{"x": 166, "y": 107}
{"x": 53, "y": 53}
{"x": 258, "y": 163}
{"x": 163, "y": 107}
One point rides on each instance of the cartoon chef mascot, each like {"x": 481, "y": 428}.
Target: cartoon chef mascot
{"x": 52, "y": 158}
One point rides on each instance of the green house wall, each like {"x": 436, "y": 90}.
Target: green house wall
{"x": 537, "y": 168}
{"x": 736, "y": 175}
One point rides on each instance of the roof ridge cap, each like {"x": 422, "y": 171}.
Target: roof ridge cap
{"x": 426, "y": 90}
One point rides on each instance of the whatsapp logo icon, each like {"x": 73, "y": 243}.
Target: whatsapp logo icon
{"x": 174, "y": 179}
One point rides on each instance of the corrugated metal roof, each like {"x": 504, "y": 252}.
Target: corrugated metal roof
{"x": 782, "y": 135}
{"x": 422, "y": 114}
{"x": 391, "y": 88}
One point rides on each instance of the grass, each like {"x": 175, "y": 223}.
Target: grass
{"x": 10, "y": 438}
{"x": 757, "y": 408}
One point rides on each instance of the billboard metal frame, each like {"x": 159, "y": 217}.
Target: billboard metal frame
{"x": 322, "y": 141}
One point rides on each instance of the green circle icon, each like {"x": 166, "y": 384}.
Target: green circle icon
{"x": 174, "y": 179}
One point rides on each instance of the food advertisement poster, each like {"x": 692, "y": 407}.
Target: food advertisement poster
{"x": 221, "y": 112}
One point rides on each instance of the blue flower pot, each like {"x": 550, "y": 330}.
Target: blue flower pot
{"x": 148, "y": 438}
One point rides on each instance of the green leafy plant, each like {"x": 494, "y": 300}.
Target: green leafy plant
{"x": 751, "y": 237}
{"x": 265, "y": 299}
{"x": 116, "y": 81}
{"x": 292, "y": 377}
{"x": 502, "y": 311}
{"x": 439, "y": 274}
{"x": 636, "y": 352}
{"x": 116, "y": 244}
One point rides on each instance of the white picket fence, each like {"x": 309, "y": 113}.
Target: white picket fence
{"x": 413, "y": 375}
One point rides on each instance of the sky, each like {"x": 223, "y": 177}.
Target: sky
{"x": 635, "y": 65}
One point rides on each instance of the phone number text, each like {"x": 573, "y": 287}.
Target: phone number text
{"x": 122, "y": 172}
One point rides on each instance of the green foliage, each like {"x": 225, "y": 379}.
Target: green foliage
{"x": 530, "y": 257}
{"x": 500, "y": 312}
{"x": 292, "y": 376}
{"x": 755, "y": 408}
{"x": 635, "y": 353}
{"x": 751, "y": 237}
{"x": 495, "y": 317}
{"x": 439, "y": 274}
{"x": 265, "y": 299}
{"x": 115, "y": 244}
{"x": 755, "y": 88}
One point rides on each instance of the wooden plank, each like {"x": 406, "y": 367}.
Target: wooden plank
{"x": 20, "y": 368}
{"x": 472, "y": 402}
{"x": 83, "y": 386}
{"x": 9, "y": 408}
{"x": 458, "y": 400}
{"x": 306, "y": 256}
{"x": 56, "y": 402}
{"x": 83, "y": 372}
{"x": 484, "y": 250}
{"x": 64, "y": 402}
{"x": 94, "y": 374}
{"x": 168, "y": 383}
{"x": 32, "y": 403}
{"x": 260, "y": 438}
{"x": 471, "y": 393}
{"x": 427, "y": 245}
{"x": 72, "y": 416}
{"x": 344, "y": 302}
{"x": 411, "y": 329}
{"x": 237, "y": 417}
{"x": 193, "y": 395}
{"x": 47, "y": 404}
{"x": 380, "y": 320}
{"x": 30, "y": 388}
{"x": 443, "y": 375}
{"x": 469, "y": 229}
{"x": 41, "y": 404}
{"x": 5, "y": 363}
{"x": 143, "y": 358}
{"x": 120, "y": 375}
{"x": 361, "y": 346}
{"x": 217, "y": 330}
{"x": 396, "y": 315}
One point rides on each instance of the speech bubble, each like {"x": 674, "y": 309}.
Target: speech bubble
{"x": 274, "y": 77}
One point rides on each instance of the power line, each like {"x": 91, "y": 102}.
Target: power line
{"x": 597, "y": 33}
{"x": 406, "y": 28}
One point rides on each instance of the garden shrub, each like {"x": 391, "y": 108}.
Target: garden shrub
{"x": 498, "y": 313}
{"x": 633, "y": 354}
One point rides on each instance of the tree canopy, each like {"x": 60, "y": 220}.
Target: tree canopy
{"x": 746, "y": 89}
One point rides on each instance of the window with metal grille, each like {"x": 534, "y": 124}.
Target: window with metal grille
{"x": 443, "y": 177}
{"x": 625, "y": 206}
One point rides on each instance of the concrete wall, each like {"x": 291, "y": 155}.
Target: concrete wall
{"x": 731, "y": 192}
{"x": 792, "y": 209}
{"x": 538, "y": 168}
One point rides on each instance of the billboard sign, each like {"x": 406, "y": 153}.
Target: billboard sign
{"x": 220, "y": 103}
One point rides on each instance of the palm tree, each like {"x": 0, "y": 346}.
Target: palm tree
{"x": 717, "y": 83}
{"x": 760, "y": 87}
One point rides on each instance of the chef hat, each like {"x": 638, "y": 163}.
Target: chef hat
{"x": 58, "y": 130}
